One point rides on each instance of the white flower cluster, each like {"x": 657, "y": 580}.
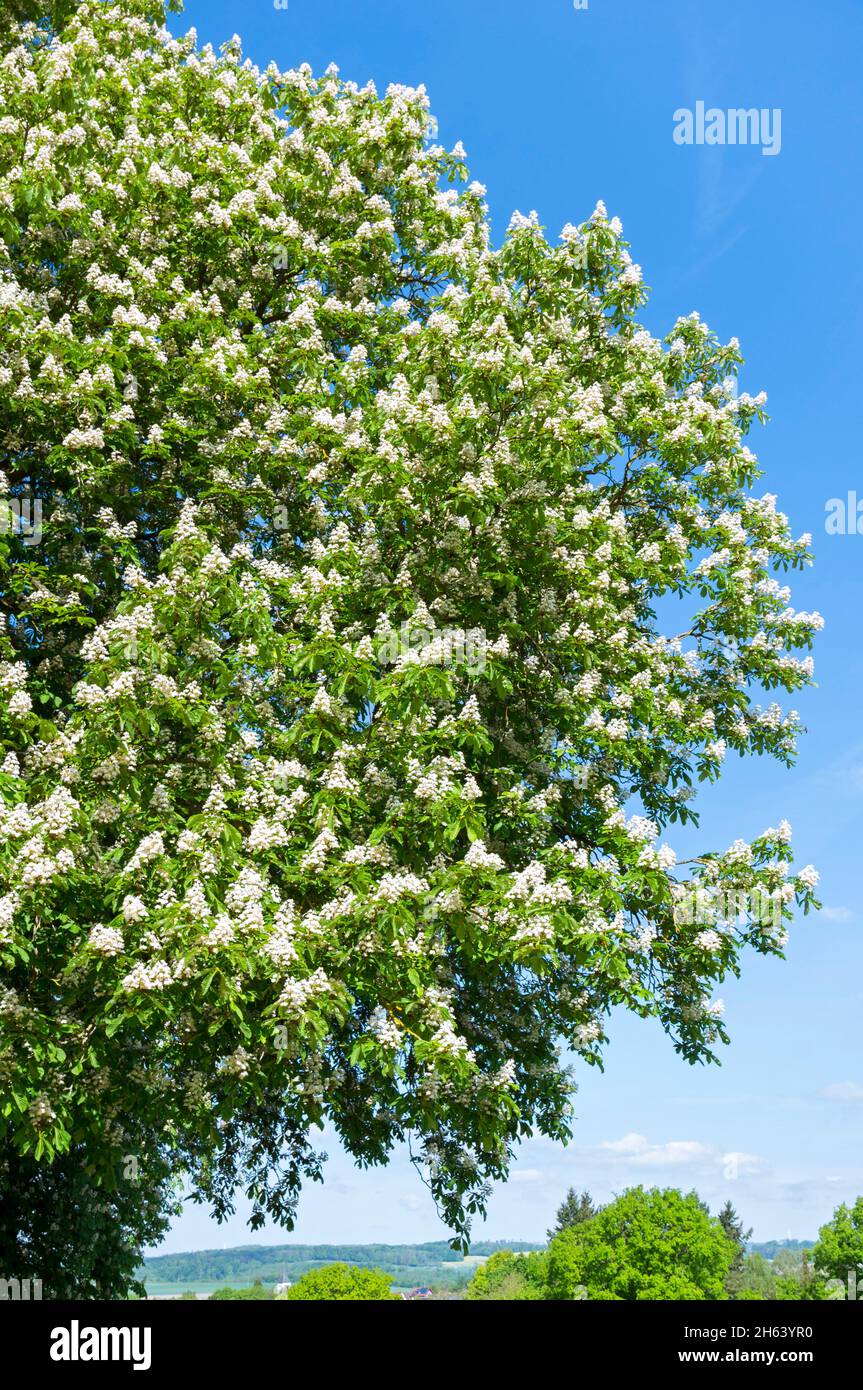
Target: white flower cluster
{"x": 151, "y": 847}
{"x": 478, "y": 857}
{"x": 106, "y": 941}
{"x": 147, "y": 976}
{"x": 384, "y": 1029}
{"x": 296, "y": 994}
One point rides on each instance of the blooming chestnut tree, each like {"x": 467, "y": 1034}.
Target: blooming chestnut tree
{"x": 391, "y": 595}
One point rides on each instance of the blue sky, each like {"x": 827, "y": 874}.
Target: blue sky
{"x": 558, "y": 107}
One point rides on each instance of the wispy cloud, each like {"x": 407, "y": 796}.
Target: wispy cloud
{"x": 722, "y": 186}
{"x": 716, "y": 251}
{"x": 843, "y": 1090}
{"x": 528, "y": 1175}
{"x": 739, "y": 1165}
{"x": 636, "y": 1149}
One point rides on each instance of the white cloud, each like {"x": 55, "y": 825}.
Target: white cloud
{"x": 843, "y": 1090}
{"x": 635, "y": 1151}
{"x": 675, "y": 1152}
{"x": 634, "y": 1148}
{"x": 739, "y": 1165}
{"x": 629, "y": 1144}
{"x": 527, "y": 1175}
{"x": 412, "y": 1201}
{"x": 836, "y": 914}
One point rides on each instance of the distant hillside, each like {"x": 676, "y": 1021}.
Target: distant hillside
{"x": 770, "y": 1248}
{"x": 432, "y": 1262}
{"x": 407, "y": 1265}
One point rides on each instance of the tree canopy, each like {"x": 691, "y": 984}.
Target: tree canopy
{"x": 647, "y": 1244}
{"x": 382, "y": 599}
{"x": 80, "y": 1236}
{"x": 509, "y": 1277}
{"x": 342, "y": 1283}
{"x": 838, "y": 1252}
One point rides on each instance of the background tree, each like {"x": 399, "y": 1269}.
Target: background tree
{"x": 342, "y": 1283}
{"x": 340, "y": 726}
{"x": 573, "y": 1209}
{"x": 732, "y": 1225}
{"x": 82, "y": 1237}
{"x": 646, "y": 1244}
{"x": 789, "y": 1277}
{"x": 509, "y": 1276}
{"x": 755, "y": 1278}
{"x": 798, "y": 1266}
{"x": 733, "y": 1228}
{"x": 837, "y": 1255}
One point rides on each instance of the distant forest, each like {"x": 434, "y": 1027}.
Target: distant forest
{"x": 405, "y": 1263}
{"x": 269, "y": 1262}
